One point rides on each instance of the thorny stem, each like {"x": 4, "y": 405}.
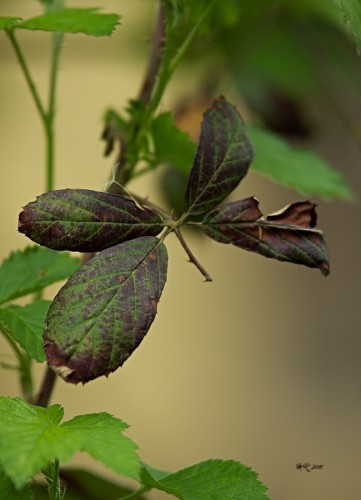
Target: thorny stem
{"x": 192, "y": 258}
{"x": 54, "y": 483}
{"x": 160, "y": 70}
{"x": 155, "y": 58}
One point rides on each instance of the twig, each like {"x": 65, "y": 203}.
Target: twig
{"x": 192, "y": 258}
{"x": 155, "y": 58}
{"x": 46, "y": 388}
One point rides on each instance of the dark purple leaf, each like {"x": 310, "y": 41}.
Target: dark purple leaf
{"x": 105, "y": 309}
{"x": 221, "y": 161}
{"x": 288, "y": 235}
{"x": 86, "y": 221}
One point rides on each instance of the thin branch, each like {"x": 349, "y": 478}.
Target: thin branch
{"x": 192, "y": 258}
{"x": 27, "y": 75}
{"x": 46, "y": 388}
{"x": 155, "y": 58}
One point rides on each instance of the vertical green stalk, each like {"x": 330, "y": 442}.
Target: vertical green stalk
{"x": 51, "y": 473}
{"x": 50, "y": 119}
{"x": 24, "y": 368}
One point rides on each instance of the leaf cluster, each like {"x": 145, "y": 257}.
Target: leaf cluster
{"x": 105, "y": 309}
{"x": 32, "y": 437}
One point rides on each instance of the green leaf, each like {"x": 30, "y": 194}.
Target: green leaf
{"x": 289, "y": 235}
{"x": 222, "y": 159}
{"x": 302, "y": 170}
{"x": 25, "y": 325}
{"x": 27, "y": 271}
{"x": 9, "y": 22}
{"x": 9, "y": 492}
{"x": 211, "y": 480}
{"x": 86, "y": 221}
{"x": 351, "y": 12}
{"x": 105, "y": 309}
{"x": 74, "y": 20}
{"x": 31, "y": 437}
{"x": 170, "y": 144}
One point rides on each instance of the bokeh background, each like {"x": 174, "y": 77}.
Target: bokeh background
{"x": 262, "y": 365}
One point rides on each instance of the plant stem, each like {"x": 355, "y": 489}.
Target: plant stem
{"x": 155, "y": 59}
{"x": 54, "y": 483}
{"x": 192, "y": 258}
{"x": 46, "y": 389}
{"x": 27, "y": 75}
{"x": 49, "y": 124}
{"x": 25, "y": 370}
{"x": 161, "y": 67}
{"x": 169, "y": 63}
{"x": 137, "y": 493}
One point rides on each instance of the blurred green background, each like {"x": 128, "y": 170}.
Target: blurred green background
{"x": 263, "y": 364}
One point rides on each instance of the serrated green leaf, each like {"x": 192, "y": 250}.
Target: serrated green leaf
{"x": 351, "y": 12}
{"x": 27, "y": 271}
{"x": 7, "y": 22}
{"x": 74, "y": 20}
{"x": 222, "y": 159}
{"x": 9, "y": 492}
{"x": 105, "y": 309}
{"x": 86, "y": 221}
{"x": 211, "y": 480}
{"x": 31, "y": 437}
{"x": 170, "y": 144}
{"x": 302, "y": 170}
{"x": 289, "y": 235}
{"x": 25, "y": 325}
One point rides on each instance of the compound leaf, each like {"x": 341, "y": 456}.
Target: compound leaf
{"x": 211, "y": 480}
{"x": 289, "y": 235}
{"x": 86, "y": 221}
{"x": 25, "y": 325}
{"x": 221, "y": 161}
{"x": 103, "y": 312}
{"x": 74, "y": 20}
{"x": 31, "y": 437}
{"x": 32, "y": 269}
{"x": 7, "y": 22}
{"x": 302, "y": 170}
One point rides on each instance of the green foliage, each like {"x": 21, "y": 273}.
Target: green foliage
{"x": 8, "y": 490}
{"x": 8, "y": 22}
{"x": 25, "y": 325}
{"x": 210, "y": 480}
{"x": 302, "y": 170}
{"x": 103, "y": 312}
{"x": 30, "y": 270}
{"x": 86, "y": 21}
{"x": 31, "y": 437}
{"x": 169, "y": 144}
